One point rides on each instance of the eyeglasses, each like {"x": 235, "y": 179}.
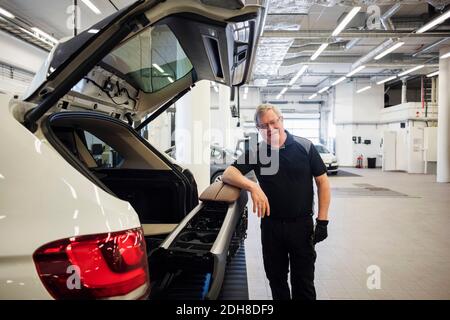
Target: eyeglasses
{"x": 270, "y": 123}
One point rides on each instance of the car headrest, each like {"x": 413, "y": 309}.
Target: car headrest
{"x": 220, "y": 192}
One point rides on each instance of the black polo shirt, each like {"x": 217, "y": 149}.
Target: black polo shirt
{"x": 290, "y": 188}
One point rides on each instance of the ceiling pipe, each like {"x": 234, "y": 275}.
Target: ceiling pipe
{"x": 316, "y": 34}
{"x": 386, "y": 17}
{"x": 313, "y": 47}
{"x": 428, "y": 47}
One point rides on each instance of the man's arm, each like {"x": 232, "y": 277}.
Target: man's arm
{"x": 324, "y": 195}
{"x": 260, "y": 202}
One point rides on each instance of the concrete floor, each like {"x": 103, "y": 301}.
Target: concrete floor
{"x": 402, "y": 232}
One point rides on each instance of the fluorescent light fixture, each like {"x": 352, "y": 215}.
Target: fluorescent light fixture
{"x": 278, "y": 96}
{"x": 92, "y": 6}
{"x": 170, "y": 79}
{"x": 363, "y": 89}
{"x": 45, "y": 35}
{"x": 7, "y": 14}
{"x": 351, "y": 73}
{"x": 245, "y": 90}
{"x": 338, "y": 81}
{"x": 319, "y": 51}
{"x": 434, "y": 22}
{"x": 435, "y": 73}
{"x": 157, "y": 67}
{"x": 387, "y": 51}
{"x": 324, "y": 89}
{"x": 93, "y": 31}
{"x": 445, "y": 56}
{"x": 283, "y": 91}
{"x": 298, "y": 75}
{"x": 345, "y": 21}
{"x": 410, "y": 70}
{"x": 386, "y": 80}
{"x": 312, "y": 96}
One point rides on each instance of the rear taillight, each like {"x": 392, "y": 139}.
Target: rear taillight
{"x": 95, "y": 266}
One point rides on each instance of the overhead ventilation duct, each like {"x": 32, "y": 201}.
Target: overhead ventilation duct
{"x": 290, "y": 6}
{"x": 349, "y": 34}
{"x": 386, "y": 17}
{"x": 270, "y": 55}
{"x": 373, "y": 53}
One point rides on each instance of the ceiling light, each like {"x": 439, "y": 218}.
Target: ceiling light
{"x": 355, "y": 71}
{"x": 387, "y": 51}
{"x": 7, "y": 14}
{"x": 157, "y": 67}
{"x": 324, "y": 89}
{"x": 312, "y": 96}
{"x": 338, "y": 81}
{"x": 298, "y": 75}
{"x": 363, "y": 89}
{"x": 319, "y": 51}
{"x": 45, "y": 35}
{"x": 92, "y": 6}
{"x": 170, "y": 79}
{"x": 410, "y": 70}
{"x": 434, "y": 22}
{"x": 283, "y": 91}
{"x": 345, "y": 21}
{"x": 435, "y": 73}
{"x": 278, "y": 97}
{"x": 386, "y": 80}
{"x": 444, "y": 56}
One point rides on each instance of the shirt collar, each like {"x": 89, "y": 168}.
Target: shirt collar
{"x": 289, "y": 139}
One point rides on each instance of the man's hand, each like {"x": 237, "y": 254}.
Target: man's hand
{"x": 260, "y": 202}
{"x": 320, "y": 231}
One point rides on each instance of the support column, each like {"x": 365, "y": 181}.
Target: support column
{"x": 192, "y": 133}
{"x": 404, "y": 89}
{"x": 443, "y": 141}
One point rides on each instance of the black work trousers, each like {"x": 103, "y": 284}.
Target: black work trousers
{"x": 288, "y": 244}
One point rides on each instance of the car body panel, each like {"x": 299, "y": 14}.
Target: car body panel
{"x": 32, "y": 214}
{"x": 328, "y": 158}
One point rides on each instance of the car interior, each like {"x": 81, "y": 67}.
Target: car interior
{"x": 133, "y": 171}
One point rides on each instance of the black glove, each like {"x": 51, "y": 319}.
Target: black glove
{"x": 320, "y": 232}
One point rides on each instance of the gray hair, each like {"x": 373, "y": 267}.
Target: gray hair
{"x": 263, "y": 108}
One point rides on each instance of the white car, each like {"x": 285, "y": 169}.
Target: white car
{"x": 328, "y": 158}
{"x": 88, "y": 208}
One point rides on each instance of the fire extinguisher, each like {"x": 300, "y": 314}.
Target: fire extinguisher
{"x": 359, "y": 161}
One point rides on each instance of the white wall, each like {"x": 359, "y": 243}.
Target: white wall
{"x": 20, "y": 54}
{"x": 357, "y": 114}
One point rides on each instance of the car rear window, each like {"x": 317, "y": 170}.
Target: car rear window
{"x": 151, "y": 60}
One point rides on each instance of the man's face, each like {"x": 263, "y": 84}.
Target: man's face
{"x": 271, "y": 127}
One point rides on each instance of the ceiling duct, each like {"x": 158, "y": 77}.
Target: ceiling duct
{"x": 373, "y": 53}
{"x": 290, "y": 6}
{"x": 316, "y": 34}
{"x": 270, "y": 55}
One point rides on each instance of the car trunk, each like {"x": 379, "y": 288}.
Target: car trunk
{"x": 142, "y": 60}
